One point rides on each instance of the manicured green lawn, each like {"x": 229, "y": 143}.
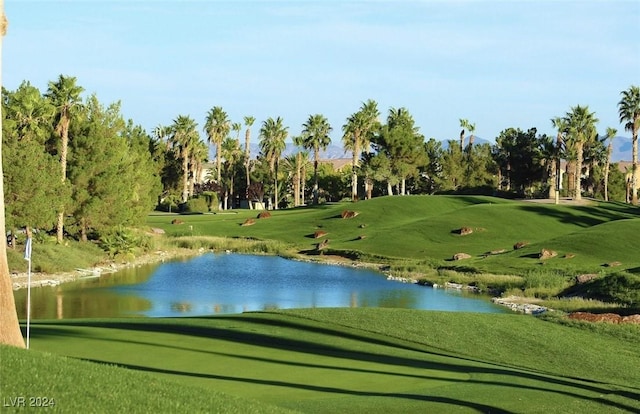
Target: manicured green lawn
{"x": 338, "y": 360}
{"x": 423, "y": 228}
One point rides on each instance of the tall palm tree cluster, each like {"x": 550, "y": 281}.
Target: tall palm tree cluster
{"x": 629, "y": 111}
{"x": 577, "y": 133}
{"x": 395, "y": 153}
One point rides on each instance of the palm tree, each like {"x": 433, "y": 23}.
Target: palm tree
{"x": 248, "y": 121}
{"x": 65, "y": 96}
{"x": 581, "y": 130}
{"x": 272, "y": 142}
{"x": 611, "y": 133}
{"x": 198, "y": 155}
{"x": 629, "y": 111}
{"x": 184, "y": 137}
{"x": 315, "y": 137}
{"x": 217, "y": 127}
{"x": 30, "y": 113}
{"x": 560, "y": 125}
{"x": 547, "y": 153}
{"x": 292, "y": 169}
{"x": 236, "y": 127}
{"x": 10, "y": 328}
{"x": 357, "y": 135}
{"x": 232, "y": 154}
{"x": 302, "y": 163}
{"x": 465, "y": 124}
{"x": 161, "y": 133}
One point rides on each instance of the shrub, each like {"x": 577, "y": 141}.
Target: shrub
{"x": 168, "y": 204}
{"x": 618, "y": 287}
{"x": 119, "y": 241}
{"x": 197, "y": 205}
{"x": 211, "y": 198}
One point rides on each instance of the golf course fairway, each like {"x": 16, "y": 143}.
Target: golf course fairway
{"x": 332, "y": 360}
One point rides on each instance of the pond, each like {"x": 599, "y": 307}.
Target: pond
{"x": 233, "y": 283}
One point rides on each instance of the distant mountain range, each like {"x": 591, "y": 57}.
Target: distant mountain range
{"x": 621, "y": 149}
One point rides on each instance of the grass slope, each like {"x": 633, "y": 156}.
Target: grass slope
{"x": 593, "y": 248}
{"x": 332, "y": 360}
{"x": 69, "y": 385}
{"x": 423, "y": 228}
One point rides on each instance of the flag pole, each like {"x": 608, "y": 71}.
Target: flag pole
{"x": 27, "y": 257}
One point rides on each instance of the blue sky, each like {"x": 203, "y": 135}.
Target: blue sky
{"x": 499, "y": 64}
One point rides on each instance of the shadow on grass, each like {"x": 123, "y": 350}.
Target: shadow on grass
{"x": 450, "y": 401}
{"x": 326, "y": 348}
{"x": 421, "y": 397}
{"x": 583, "y": 216}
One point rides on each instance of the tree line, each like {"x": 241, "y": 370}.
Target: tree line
{"x": 76, "y": 166}
{"x": 72, "y": 165}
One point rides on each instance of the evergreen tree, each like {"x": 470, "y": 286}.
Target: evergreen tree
{"x": 518, "y": 157}
{"x": 146, "y": 185}
{"x": 401, "y": 142}
{"x": 452, "y": 167}
{"x": 100, "y": 170}
{"x": 33, "y": 189}
{"x": 432, "y": 173}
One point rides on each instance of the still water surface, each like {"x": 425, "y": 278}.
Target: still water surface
{"x": 233, "y": 283}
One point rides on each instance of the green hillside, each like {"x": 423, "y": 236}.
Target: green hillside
{"x": 361, "y": 360}
{"x": 424, "y": 228}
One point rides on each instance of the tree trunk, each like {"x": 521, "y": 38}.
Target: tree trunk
{"x": 579, "y": 155}
{"x": 303, "y": 181}
{"x": 192, "y": 182}
{"x": 354, "y": 172}
{"x": 83, "y": 229}
{"x": 218, "y": 161}
{"x": 247, "y": 153}
{"x": 9, "y": 327}
{"x": 571, "y": 178}
{"x": 558, "y": 181}
{"x": 634, "y": 167}
{"x": 552, "y": 179}
{"x": 403, "y": 186}
{"x": 275, "y": 188}
{"x": 296, "y": 189}
{"x": 64, "y": 136}
{"x": 606, "y": 171}
{"x": 231, "y": 195}
{"x": 369, "y": 182}
{"x": 389, "y": 188}
{"x": 185, "y": 179}
{"x": 315, "y": 176}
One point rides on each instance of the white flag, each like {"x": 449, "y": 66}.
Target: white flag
{"x": 27, "y": 249}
